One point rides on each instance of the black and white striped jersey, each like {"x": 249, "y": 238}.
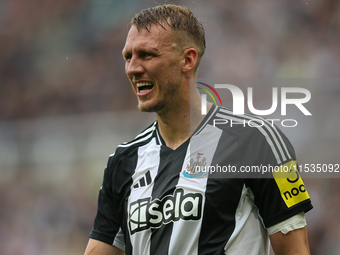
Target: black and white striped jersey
{"x": 164, "y": 201}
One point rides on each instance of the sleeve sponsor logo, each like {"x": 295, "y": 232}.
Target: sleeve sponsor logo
{"x": 290, "y": 184}
{"x": 145, "y": 214}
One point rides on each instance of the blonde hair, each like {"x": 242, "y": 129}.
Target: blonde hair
{"x": 182, "y": 21}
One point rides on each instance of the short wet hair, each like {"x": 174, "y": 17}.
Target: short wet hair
{"x": 181, "y": 19}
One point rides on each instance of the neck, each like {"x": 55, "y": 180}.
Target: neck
{"x": 180, "y": 122}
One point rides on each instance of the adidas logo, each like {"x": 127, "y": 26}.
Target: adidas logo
{"x": 144, "y": 181}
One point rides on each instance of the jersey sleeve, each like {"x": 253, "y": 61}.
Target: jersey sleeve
{"x": 106, "y": 223}
{"x": 278, "y": 202}
{"x": 281, "y": 193}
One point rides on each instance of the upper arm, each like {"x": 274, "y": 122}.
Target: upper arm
{"x": 106, "y": 223}
{"x": 95, "y": 247}
{"x": 293, "y": 243}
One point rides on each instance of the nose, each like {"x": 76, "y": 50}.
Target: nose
{"x": 134, "y": 67}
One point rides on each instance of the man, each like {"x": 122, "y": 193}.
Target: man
{"x": 153, "y": 201}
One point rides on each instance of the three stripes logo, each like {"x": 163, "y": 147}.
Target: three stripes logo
{"x": 144, "y": 181}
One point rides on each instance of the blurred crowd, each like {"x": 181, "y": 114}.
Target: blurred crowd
{"x": 37, "y": 218}
{"x": 63, "y": 58}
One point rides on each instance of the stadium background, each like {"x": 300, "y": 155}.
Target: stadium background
{"x": 65, "y": 104}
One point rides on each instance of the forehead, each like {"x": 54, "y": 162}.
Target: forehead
{"x": 155, "y": 37}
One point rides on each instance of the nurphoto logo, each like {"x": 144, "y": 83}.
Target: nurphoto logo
{"x": 238, "y": 99}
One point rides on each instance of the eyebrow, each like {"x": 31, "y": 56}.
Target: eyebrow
{"x": 140, "y": 50}
{"x": 153, "y": 49}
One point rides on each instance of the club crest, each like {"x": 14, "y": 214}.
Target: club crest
{"x": 196, "y": 167}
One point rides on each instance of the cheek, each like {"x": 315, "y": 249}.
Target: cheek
{"x": 172, "y": 68}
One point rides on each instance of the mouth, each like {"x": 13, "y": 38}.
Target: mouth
{"x": 144, "y": 88}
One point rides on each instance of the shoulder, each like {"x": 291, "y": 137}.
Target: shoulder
{"x": 140, "y": 140}
{"x": 122, "y": 163}
{"x": 255, "y": 132}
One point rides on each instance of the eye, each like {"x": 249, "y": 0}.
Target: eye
{"x": 147, "y": 55}
{"x": 128, "y": 57}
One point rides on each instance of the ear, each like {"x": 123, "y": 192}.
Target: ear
{"x": 190, "y": 60}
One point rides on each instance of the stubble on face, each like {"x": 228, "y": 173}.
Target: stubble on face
{"x": 166, "y": 75}
{"x": 170, "y": 87}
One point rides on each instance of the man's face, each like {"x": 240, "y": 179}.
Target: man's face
{"x": 153, "y": 66}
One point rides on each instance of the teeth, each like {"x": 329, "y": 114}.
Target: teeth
{"x": 140, "y": 84}
{"x": 144, "y": 90}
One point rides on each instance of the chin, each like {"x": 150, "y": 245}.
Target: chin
{"x": 157, "y": 107}
{"x": 147, "y": 108}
